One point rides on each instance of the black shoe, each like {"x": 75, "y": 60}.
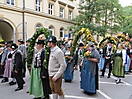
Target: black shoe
{"x": 12, "y": 83}
{"x": 27, "y": 91}
{"x": 18, "y": 89}
{"x": 1, "y": 77}
{"x": 118, "y": 81}
{"x": 108, "y": 77}
{"x": 46, "y": 97}
{"x": 24, "y": 82}
{"x": 4, "y": 80}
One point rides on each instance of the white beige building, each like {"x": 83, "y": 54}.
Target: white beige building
{"x": 52, "y": 14}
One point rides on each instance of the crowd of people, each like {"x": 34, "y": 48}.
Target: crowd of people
{"x": 46, "y": 82}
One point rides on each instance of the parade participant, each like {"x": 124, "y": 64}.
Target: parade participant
{"x": 57, "y": 66}
{"x": 62, "y": 46}
{"x": 119, "y": 63}
{"x": 22, "y": 48}
{"x": 80, "y": 55}
{"x": 68, "y": 73}
{"x": 44, "y": 73}
{"x": 17, "y": 66}
{"x": 127, "y": 64}
{"x": 89, "y": 74}
{"x": 3, "y": 59}
{"x": 36, "y": 86}
{"x": 27, "y": 45}
{"x": 102, "y": 59}
{"x": 7, "y": 71}
{"x": 1, "y": 67}
{"x": 131, "y": 57}
{"x": 108, "y": 52}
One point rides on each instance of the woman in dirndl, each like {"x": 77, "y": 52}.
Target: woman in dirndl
{"x": 89, "y": 73}
{"x": 131, "y": 57}
{"x": 128, "y": 60}
{"x": 68, "y": 73}
{"x": 102, "y": 59}
{"x": 119, "y": 63}
{"x": 8, "y": 64}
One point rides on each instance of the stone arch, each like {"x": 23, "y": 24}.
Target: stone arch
{"x": 39, "y": 32}
{"x": 7, "y": 26}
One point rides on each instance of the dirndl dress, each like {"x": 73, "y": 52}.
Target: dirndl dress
{"x": 127, "y": 65}
{"x": 101, "y": 62}
{"x": 7, "y": 71}
{"x": 88, "y": 83}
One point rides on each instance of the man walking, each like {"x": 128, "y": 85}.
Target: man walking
{"x": 108, "y": 58}
{"x": 22, "y": 48}
{"x": 57, "y": 66}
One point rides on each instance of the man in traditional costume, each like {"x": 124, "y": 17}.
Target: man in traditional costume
{"x": 17, "y": 65}
{"x": 22, "y": 48}
{"x": 57, "y": 66}
{"x": 108, "y": 52}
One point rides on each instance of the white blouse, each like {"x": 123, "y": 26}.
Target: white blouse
{"x": 123, "y": 54}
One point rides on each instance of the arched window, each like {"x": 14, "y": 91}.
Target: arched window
{"x": 70, "y": 33}
{"x": 51, "y": 28}
{"x": 61, "y": 32}
{"x": 38, "y": 26}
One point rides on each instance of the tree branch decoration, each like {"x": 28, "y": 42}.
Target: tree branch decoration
{"x": 122, "y": 37}
{"x": 39, "y": 32}
{"x": 115, "y": 41}
{"x": 87, "y": 34}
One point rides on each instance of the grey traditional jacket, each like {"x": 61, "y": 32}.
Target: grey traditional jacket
{"x": 4, "y": 55}
{"x": 22, "y": 48}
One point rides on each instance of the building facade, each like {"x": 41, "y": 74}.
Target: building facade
{"x": 33, "y": 14}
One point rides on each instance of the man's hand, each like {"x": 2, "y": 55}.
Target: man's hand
{"x": 54, "y": 79}
{"x": 16, "y": 71}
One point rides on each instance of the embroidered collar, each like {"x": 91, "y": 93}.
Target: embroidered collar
{"x": 53, "y": 49}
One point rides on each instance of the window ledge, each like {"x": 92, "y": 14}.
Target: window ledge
{"x": 62, "y": 3}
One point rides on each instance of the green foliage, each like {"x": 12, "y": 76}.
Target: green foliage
{"x": 100, "y": 16}
{"x": 39, "y": 32}
{"x": 87, "y": 34}
{"x": 127, "y": 23}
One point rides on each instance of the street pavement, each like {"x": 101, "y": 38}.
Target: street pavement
{"x": 108, "y": 89}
